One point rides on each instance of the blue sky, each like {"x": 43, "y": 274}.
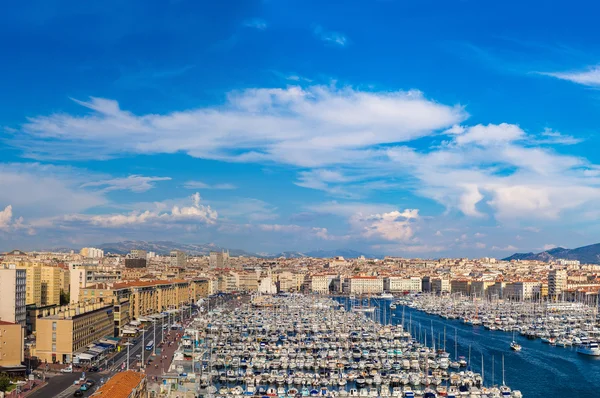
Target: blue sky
{"x": 430, "y": 128}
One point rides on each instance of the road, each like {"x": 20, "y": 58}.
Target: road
{"x": 61, "y": 386}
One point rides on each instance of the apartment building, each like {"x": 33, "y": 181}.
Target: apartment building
{"x": 523, "y": 290}
{"x": 71, "y": 330}
{"x": 321, "y": 283}
{"x": 219, "y": 259}
{"x": 34, "y": 282}
{"x": 365, "y": 285}
{"x": 177, "y": 259}
{"x": 557, "y": 282}
{"x": 481, "y": 288}
{"x": 440, "y": 285}
{"x": 50, "y": 285}
{"x": 91, "y": 252}
{"x": 13, "y": 288}
{"x": 402, "y": 284}
{"x": 12, "y": 337}
{"x": 460, "y": 286}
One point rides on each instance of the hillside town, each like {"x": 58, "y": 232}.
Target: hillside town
{"x": 62, "y": 311}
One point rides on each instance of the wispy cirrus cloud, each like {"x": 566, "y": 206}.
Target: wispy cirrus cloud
{"x": 307, "y": 127}
{"x": 335, "y": 38}
{"x": 256, "y": 23}
{"x": 203, "y": 185}
{"x": 589, "y": 77}
{"x": 134, "y": 183}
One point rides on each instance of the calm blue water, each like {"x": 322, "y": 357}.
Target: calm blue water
{"x": 539, "y": 370}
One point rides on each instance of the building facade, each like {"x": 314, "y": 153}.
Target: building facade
{"x": 12, "y": 337}
{"x": 13, "y": 288}
{"x": 365, "y": 285}
{"x": 71, "y": 330}
{"x": 557, "y": 282}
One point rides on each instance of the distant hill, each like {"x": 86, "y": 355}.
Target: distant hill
{"x": 586, "y": 255}
{"x": 164, "y": 247}
{"x": 346, "y": 253}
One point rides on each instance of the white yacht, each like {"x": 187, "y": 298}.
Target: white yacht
{"x": 388, "y": 296}
{"x": 591, "y": 348}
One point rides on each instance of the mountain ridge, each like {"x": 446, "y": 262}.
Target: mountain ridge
{"x": 589, "y": 254}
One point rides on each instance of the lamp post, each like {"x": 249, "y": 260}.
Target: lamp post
{"x": 143, "y": 345}
{"x": 128, "y": 344}
{"x": 154, "y": 337}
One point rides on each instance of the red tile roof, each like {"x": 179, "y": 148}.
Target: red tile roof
{"x": 120, "y": 385}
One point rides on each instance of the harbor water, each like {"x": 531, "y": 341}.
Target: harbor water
{"x": 538, "y": 370}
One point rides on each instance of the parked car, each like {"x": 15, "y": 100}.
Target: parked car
{"x": 94, "y": 369}
{"x": 90, "y": 382}
{"x": 84, "y": 387}
{"x": 68, "y": 369}
{"x": 78, "y": 393}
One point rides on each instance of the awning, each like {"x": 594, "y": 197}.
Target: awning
{"x": 135, "y": 323}
{"x": 97, "y": 350}
{"x": 85, "y": 356}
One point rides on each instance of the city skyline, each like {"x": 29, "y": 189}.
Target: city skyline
{"x": 268, "y": 127}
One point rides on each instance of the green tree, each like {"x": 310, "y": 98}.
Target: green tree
{"x": 4, "y": 382}
{"x": 64, "y": 297}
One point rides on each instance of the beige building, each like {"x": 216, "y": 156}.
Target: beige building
{"x": 522, "y": 290}
{"x": 460, "y": 286}
{"x": 12, "y": 337}
{"x": 440, "y": 285}
{"x": 321, "y": 283}
{"x": 50, "y": 285}
{"x": 557, "y": 282}
{"x": 365, "y": 285}
{"x": 34, "y": 283}
{"x": 401, "y": 284}
{"x": 71, "y": 330}
{"x": 481, "y": 288}
{"x": 13, "y": 288}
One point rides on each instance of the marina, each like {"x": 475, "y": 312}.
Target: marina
{"x": 300, "y": 346}
{"x": 537, "y": 370}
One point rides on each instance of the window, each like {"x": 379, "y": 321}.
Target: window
{"x": 53, "y": 326}
{"x": 54, "y": 336}
{"x": 53, "y": 347}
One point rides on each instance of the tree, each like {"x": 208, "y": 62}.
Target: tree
{"x": 64, "y": 297}
{"x": 4, "y": 382}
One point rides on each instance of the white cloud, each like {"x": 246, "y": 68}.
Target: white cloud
{"x": 490, "y": 134}
{"x": 336, "y": 38}
{"x": 392, "y": 226}
{"x": 197, "y": 213}
{"x": 309, "y": 127}
{"x": 480, "y": 245}
{"x": 6, "y": 217}
{"x": 202, "y": 185}
{"x": 46, "y": 191}
{"x": 549, "y": 136}
{"x": 590, "y": 77}
{"x": 508, "y": 248}
{"x": 491, "y": 170}
{"x": 256, "y": 23}
{"x": 134, "y": 183}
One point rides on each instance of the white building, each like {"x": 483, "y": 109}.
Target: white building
{"x": 80, "y": 278}
{"x": 12, "y": 295}
{"x": 400, "y": 284}
{"x": 219, "y": 259}
{"x": 440, "y": 285}
{"x": 267, "y": 286}
{"x": 91, "y": 252}
{"x": 365, "y": 285}
{"x": 320, "y": 283}
{"x": 522, "y": 290}
{"x": 177, "y": 259}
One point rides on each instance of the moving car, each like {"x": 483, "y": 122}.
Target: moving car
{"x": 78, "y": 393}
{"x": 68, "y": 369}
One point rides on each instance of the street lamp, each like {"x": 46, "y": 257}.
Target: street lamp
{"x": 143, "y": 344}
{"x": 154, "y": 337}
{"x": 128, "y": 344}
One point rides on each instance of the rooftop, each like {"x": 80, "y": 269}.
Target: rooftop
{"x": 120, "y": 385}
